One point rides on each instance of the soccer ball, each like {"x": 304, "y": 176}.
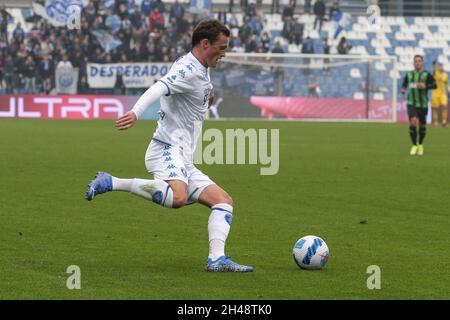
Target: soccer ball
{"x": 311, "y": 252}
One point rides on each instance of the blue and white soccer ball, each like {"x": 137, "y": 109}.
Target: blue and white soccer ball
{"x": 311, "y": 252}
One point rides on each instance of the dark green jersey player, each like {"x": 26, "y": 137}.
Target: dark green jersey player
{"x": 418, "y": 82}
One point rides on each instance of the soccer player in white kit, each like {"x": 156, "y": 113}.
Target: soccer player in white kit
{"x": 185, "y": 95}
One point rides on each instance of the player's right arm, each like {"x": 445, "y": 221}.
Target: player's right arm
{"x": 150, "y": 96}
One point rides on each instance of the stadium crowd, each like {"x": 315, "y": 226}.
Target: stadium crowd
{"x": 28, "y": 60}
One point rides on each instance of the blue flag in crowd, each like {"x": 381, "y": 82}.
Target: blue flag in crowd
{"x": 340, "y": 20}
{"x": 108, "y": 41}
{"x": 114, "y": 23}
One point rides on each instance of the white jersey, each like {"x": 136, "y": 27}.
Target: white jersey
{"x": 184, "y": 108}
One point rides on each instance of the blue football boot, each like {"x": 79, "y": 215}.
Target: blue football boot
{"x": 101, "y": 184}
{"x": 224, "y": 264}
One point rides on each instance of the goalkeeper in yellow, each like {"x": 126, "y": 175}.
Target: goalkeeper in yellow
{"x": 439, "y": 96}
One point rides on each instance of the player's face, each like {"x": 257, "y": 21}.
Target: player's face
{"x": 216, "y": 50}
{"x": 418, "y": 63}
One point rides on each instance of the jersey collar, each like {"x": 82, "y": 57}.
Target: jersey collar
{"x": 197, "y": 61}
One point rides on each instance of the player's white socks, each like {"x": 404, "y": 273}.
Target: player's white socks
{"x": 157, "y": 191}
{"x": 218, "y": 228}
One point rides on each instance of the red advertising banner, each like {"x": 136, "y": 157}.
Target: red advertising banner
{"x": 65, "y": 106}
{"x": 327, "y": 108}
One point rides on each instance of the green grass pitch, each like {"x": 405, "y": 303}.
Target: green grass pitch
{"x": 332, "y": 176}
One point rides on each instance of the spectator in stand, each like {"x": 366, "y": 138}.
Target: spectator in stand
{"x": 65, "y": 63}
{"x": 18, "y": 31}
{"x": 18, "y": 75}
{"x": 83, "y": 86}
{"x": 313, "y": 87}
{"x": 288, "y": 29}
{"x": 308, "y": 46}
{"x": 90, "y": 13}
{"x": 319, "y": 11}
{"x": 9, "y": 74}
{"x": 139, "y": 53}
{"x": 160, "y": 6}
{"x": 222, "y": 16}
{"x": 250, "y": 12}
{"x": 126, "y": 24}
{"x": 236, "y": 45}
{"x": 230, "y": 6}
{"x": 122, "y": 11}
{"x": 277, "y": 48}
{"x": 288, "y": 12}
{"x": 146, "y": 7}
{"x": 22, "y": 53}
{"x": 307, "y": 6}
{"x": 298, "y": 32}
{"x": 98, "y": 56}
{"x": 4, "y": 16}
{"x": 156, "y": 19}
{"x": 343, "y": 46}
{"x": 250, "y": 44}
{"x": 30, "y": 75}
{"x": 260, "y": 48}
{"x": 45, "y": 73}
{"x": 275, "y": 7}
{"x": 334, "y": 9}
{"x": 232, "y": 21}
{"x": 176, "y": 12}
{"x": 256, "y": 25}
{"x": 265, "y": 41}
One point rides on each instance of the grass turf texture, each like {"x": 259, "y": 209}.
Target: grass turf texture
{"x": 332, "y": 177}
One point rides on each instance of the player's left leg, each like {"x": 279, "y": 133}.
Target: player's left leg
{"x": 422, "y": 129}
{"x": 206, "y": 192}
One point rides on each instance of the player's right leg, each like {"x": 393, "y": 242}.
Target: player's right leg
{"x": 203, "y": 190}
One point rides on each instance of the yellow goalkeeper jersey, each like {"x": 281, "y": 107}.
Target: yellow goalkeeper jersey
{"x": 442, "y": 83}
